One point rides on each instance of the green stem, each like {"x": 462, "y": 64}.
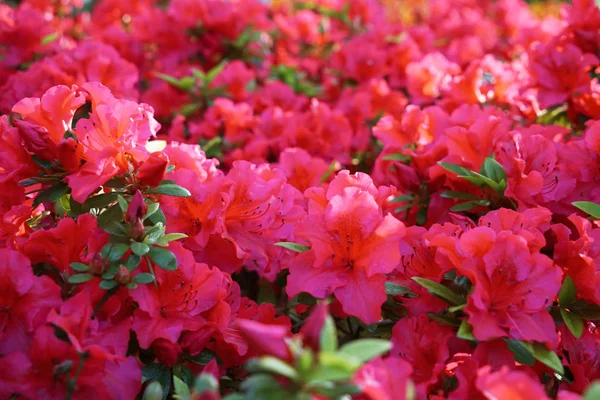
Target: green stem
{"x": 72, "y": 383}
{"x": 152, "y": 271}
{"x": 104, "y": 299}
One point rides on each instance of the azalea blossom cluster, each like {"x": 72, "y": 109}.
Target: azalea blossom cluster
{"x": 209, "y": 199}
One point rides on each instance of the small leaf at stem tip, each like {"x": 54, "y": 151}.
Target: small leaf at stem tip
{"x": 297, "y": 247}
{"x": 140, "y": 249}
{"x": 163, "y": 258}
{"x": 394, "y": 289}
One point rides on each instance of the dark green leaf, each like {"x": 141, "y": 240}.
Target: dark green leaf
{"x": 459, "y": 195}
{"x": 585, "y": 310}
{"x": 140, "y": 249}
{"x": 448, "y": 319}
{"x": 117, "y": 251}
{"x": 112, "y": 214}
{"x": 395, "y": 290}
{"x": 573, "y": 322}
{"x": 164, "y": 378}
{"x": 523, "y": 351}
{"x": 588, "y": 207}
{"x": 143, "y": 278}
{"x": 457, "y": 169}
{"x": 335, "y": 391}
{"x": 397, "y": 157}
{"x": 123, "y": 205}
{"x": 107, "y": 285}
{"x": 402, "y": 199}
{"x": 297, "y": 247}
{"x": 163, "y": 258}
{"x": 51, "y": 194}
{"x": 157, "y": 217}
{"x": 42, "y": 163}
{"x": 152, "y": 208}
{"x": 365, "y": 349}
{"x": 568, "y": 292}
{"x": 440, "y": 291}
{"x": 466, "y": 206}
{"x": 116, "y": 229}
{"x": 80, "y": 278}
{"x": 548, "y": 357}
{"x": 101, "y": 200}
{"x": 60, "y": 333}
{"x": 202, "y": 358}
{"x": 150, "y": 371}
{"x": 77, "y": 266}
{"x": 170, "y": 190}
{"x": 184, "y": 84}
{"x": 132, "y": 262}
{"x": 131, "y": 286}
{"x": 494, "y": 170}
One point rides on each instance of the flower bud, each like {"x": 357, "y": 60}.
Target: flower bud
{"x": 153, "y": 170}
{"x": 166, "y": 351}
{"x": 69, "y": 154}
{"x": 97, "y": 265}
{"x": 137, "y": 208}
{"x": 123, "y": 276}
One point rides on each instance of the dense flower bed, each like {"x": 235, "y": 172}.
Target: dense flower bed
{"x": 325, "y": 199}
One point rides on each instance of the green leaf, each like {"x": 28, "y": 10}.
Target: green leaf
{"x": 449, "y": 320}
{"x": 185, "y": 84}
{"x": 202, "y": 358}
{"x": 123, "y": 205}
{"x": 328, "y": 337}
{"x": 140, "y": 249}
{"x": 150, "y": 371}
{"x": 402, "y": 199}
{"x": 216, "y": 70}
{"x": 116, "y": 229}
{"x": 397, "y": 157}
{"x": 523, "y": 351}
{"x": 107, "y": 285}
{"x": 334, "y": 390}
{"x": 275, "y": 366}
{"x": 152, "y": 208}
{"x": 459, "y": 195}
{"x": 77, "y": 266}
{"x": 117, "y": 251}
{"x": 65, "y": 202}
{"x": 143, "y": 278}
{"x": 157, "y": 217}
{"x": 494, "y": 170}
{"x": 101, "y": 200}
{"x": 457, "y": 169}
{"x": 548, "y": 357}
{"x": 182, "y": 391}
{"x": 164, "y": 240}
{"x": 365, "y": 349}
{"x": 585, "y": 310}
{"x": 131, "y": 286}
{"x": 164, "y": 378}
{"x": 465, "y": 331}
{"x": 568, "y": 292}
{"x": 593, "y": 391}
{"x": 49, "y": 38}
{"x": 80, "y": 278}
{"x": 588, "y": 207}
{"x": 573, "y": 322}
{"x": 170, "y": 190}
{"x": 132, "y": 262}
{"x": 112, "y": 214}
{"x": 440, "y": 291}
{"x": 51, "y": 194}
{"x": 394, "y": 289}
{"x": 297, "y": 247}
{"x": 334, "y": 366}
{"x": 154, "y": 391}
{"x": 466, "y": 206}
{"x": 163, "y": 258}
{"x": 205, "y": 383}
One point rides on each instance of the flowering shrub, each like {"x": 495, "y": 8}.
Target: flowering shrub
{"x": 303, "y": 200}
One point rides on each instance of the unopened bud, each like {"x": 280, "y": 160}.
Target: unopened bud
{"x": 123, "y": 276}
